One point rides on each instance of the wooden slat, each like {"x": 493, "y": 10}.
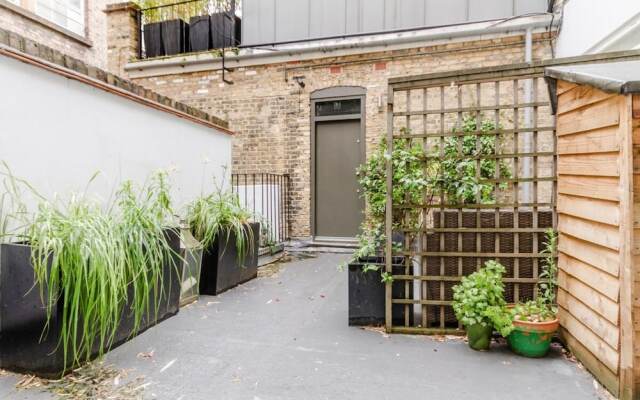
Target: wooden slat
{"x": 602, "y": 164}
{"x": 590, "y": 340}
{"x": 599, "y": 115}
{"x": 594, "y": 232}
{"x": 599, "y": 257}
{"x": 579, "y": 97}
{"x": 600, "y": 326}
{"x": 600, "y": 281}
{"x": 564, "y": 86}
{"x": 604, "y": 375}
{"x": 603, "y": 188}
{"x": 597, "y": 302}
{"x": 606, "y": 212}
{"x": 596, "y": 141}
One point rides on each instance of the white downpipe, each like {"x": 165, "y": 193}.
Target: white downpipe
{"x": 527, "y": 137}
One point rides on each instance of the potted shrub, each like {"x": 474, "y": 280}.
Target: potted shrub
{"x": 229, "y": 239}
{"x": 366, "y": 266}
{"x": 87, "y": 278}
{"x": 474, "y": 301}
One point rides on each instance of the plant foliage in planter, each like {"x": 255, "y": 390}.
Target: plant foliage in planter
{"x": 96, "y": 267}
{"x": 409, "y": 186}
{"x": 223, "y": 226}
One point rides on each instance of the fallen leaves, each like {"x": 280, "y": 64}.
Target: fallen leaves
{"x": 92, "y": 381}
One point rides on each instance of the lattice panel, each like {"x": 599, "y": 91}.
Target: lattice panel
{"x": 501, "y": 129}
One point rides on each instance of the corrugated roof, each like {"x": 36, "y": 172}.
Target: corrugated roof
{"x": 615, "y": 77}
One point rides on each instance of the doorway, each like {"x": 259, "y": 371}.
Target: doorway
{"x": 337, "y": 151}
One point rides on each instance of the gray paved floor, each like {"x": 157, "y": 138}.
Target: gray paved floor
{"x": 286, "y": 337}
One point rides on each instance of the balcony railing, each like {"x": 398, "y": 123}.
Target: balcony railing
{"x": 266, "y": 196}
{"x": 187, "y": 26}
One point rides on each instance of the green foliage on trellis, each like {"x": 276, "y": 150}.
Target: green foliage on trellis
{"x": 459, "y": 178}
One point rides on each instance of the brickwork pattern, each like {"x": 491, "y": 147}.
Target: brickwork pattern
{"x": 270, "y": 113}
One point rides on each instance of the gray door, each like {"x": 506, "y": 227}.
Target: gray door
{"x": 338, "y": 206}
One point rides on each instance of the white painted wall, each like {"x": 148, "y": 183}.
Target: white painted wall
{"x": 56, "y": 132}
{"x": 595, "y": 26}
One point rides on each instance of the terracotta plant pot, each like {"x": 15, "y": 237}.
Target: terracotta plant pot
{"x": 532, "y": 339}
{"x": 479, "y": 336}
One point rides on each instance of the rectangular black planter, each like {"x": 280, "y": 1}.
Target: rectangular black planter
{"x": 220, "y": 269}
{"x": 200, "y": 33}
{"x": 153, "y": 46}
{"x": 175, "y": 37}
{"x": 367, "y": 293}
{"x": 224, "y": 33}
{"x": 23, "y": 315}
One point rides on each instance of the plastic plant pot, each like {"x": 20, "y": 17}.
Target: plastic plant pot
{"x": 532, "y": 339}
{"x": 479, "y": 336}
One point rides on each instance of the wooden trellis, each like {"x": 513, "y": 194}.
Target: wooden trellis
{"x": 450, "y": 239}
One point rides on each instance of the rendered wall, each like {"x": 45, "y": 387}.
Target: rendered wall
{"x": 586, "y": 23}
{"x": 57, "y": 132}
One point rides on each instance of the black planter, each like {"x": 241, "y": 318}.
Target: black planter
{"x": 200, "y": 33}
{"x": 23, "y": 315}
{"x": 225, "y": 30}
{"x": 153, "y": 39}
{"x": 220, "y": 270}
{"x": 367, "y": 293}
{"x": 175, "y": 37}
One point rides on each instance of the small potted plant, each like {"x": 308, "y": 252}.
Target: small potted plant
{"x": 229, "y": 239}
{"x": 529, "y": 326}
{"x": 535, "y": 321}
{"x": 474, "y": 300}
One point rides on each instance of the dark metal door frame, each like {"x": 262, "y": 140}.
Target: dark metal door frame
{"x": 330, "y": 94}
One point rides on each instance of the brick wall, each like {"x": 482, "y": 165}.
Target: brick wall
{"x": 90, "y": 49}
{"x": 270, "y": 113}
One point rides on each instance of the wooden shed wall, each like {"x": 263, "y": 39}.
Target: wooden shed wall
{"x": 594, "y": 222}
{"x": 636, "y": 240}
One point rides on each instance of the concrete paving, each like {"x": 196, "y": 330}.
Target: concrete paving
{"x": 286, "y": 337}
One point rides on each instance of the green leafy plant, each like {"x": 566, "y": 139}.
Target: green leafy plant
{"x": 220, "y": 214}
{"x": 459, "y": 178}
{"x": 88, "y": 257}
{"x": 476, "y": 296}
{"x": 501, "y": 318}
{"x": 409, "y": 185}
{"x": 547, "y": 286}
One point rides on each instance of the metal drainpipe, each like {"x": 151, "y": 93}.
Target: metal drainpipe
{"x": 527, "y": 137}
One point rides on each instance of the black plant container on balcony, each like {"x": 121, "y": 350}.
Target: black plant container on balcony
{"x": 23, "y": 315}
{"x": 153, "y": 39}
{"x": 200, "y": 33}
{"x": 225, "y": 30}
{"x": 175, "y": 37}
{"x": 367, "y": 293}
{"x": 220, "y": 270}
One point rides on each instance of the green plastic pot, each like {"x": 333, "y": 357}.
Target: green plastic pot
{"x": 479, "y": 336}
{"x": 532, "y": 339}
